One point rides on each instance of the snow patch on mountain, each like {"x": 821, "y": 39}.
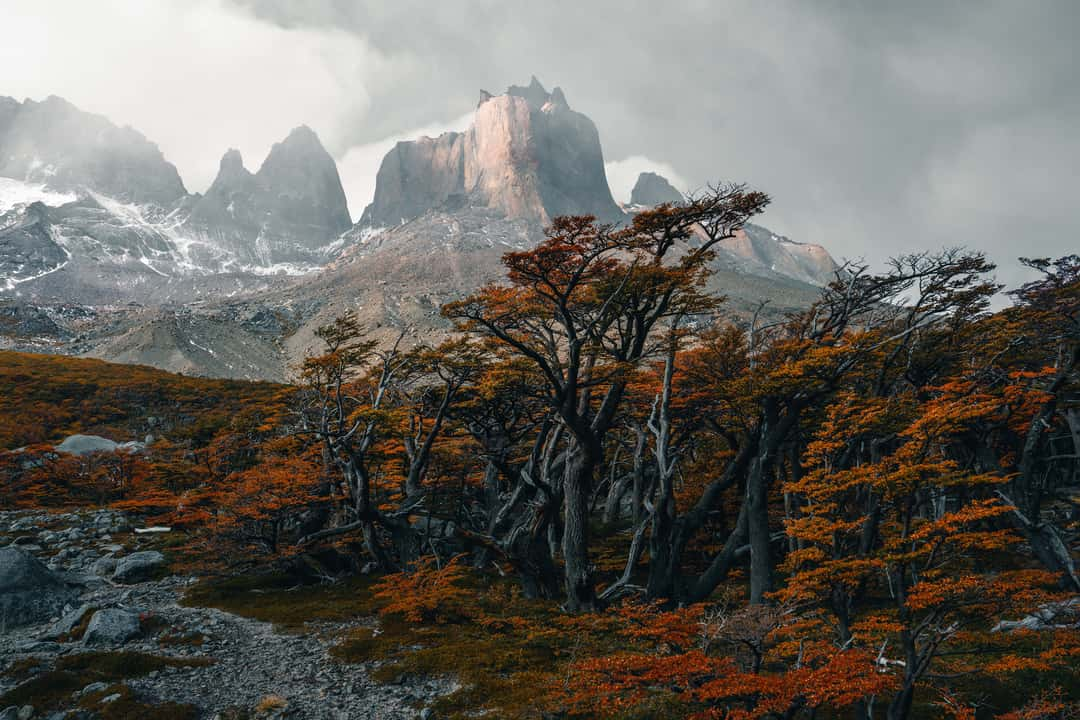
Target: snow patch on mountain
{"x": 16, "y": 193}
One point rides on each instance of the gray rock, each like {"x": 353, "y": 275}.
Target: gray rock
{"x": 53, "y": 141}
{"x": 111, "y": 626}
{"x": 38, "y": 646}
{"x": 10, "y": 713}
{"x": 1052, "y": 616}
{"x": 138, "y": 566}
{"x": 86, "y": 444}
{"x": 26, "y": 712}
{"x": 104, "y": 566}
{"x": 67, "y": 623}
{"x": 29, "y": 591}
{"x": 92, "y": 688}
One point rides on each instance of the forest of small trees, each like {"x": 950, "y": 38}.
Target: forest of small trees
{"x": 840, "y": 511}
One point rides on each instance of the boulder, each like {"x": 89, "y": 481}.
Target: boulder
{"x": 67, "y": 623}
{"x": 111, "y": 626}
{"x": 138, "y": 567}
{"x": 92, "y": 688}
{"x": 86, "y": 444}
{"x": 104, "y": 567}
{"x": 29, "y": 591}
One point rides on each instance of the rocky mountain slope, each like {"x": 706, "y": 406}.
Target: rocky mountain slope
{"x": 92, "y": 213}
{"x": 104, "y": 253}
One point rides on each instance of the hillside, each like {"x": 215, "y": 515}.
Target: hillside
{"x": 45, "y": 398}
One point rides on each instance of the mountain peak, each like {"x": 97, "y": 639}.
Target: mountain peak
{"x": 558, "y": 98}
{"x": 534, "y": 93}
{"x": 231, "y": 161}
{"x": 526, "y": 155}
{"x": 56, "y": 143}
{"x": 653, "y": 189}
{"x": 302, "y": 135}
{"x": 285, "y": 212}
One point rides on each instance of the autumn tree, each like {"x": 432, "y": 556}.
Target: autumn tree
{"x": 583, "y": 306}
{"x": 341, "y": 405}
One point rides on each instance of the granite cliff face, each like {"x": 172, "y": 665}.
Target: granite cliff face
{"x": 527, "y": 155}
{"x": 652, "y": 189}
{"x": 285, "y": 213}
{"x": 54, "y": 142}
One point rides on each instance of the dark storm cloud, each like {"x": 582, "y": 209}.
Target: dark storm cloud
{"x": 878, "y": 127}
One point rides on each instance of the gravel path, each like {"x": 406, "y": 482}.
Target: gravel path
{"x": 251, "y": 660}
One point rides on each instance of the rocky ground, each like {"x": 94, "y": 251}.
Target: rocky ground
{"x": 113, "y": 596}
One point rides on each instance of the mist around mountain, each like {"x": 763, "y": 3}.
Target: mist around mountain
{"x": 531, "y": 453}
{"x": 99, "y": 236}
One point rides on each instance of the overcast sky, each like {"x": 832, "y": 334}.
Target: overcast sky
{"x": 877, "y": 127}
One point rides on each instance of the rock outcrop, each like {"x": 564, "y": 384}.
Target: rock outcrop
{"x": 527, "y": 155}
{"x": 138, "y": 566}
{"x": 111, "y": 626}
{"x": 284, "y": 213}
{"x": 756, "y": 250}
{"x": 652, "y": 189}
{"x": 55, "y": 143}
{"x": 27, "y": 247}
{"x": 29, "y": 591}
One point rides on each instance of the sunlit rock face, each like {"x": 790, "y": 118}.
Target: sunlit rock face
{"x": 527, "y": 155}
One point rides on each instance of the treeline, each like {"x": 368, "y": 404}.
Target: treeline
{"x": 831, "y": 510}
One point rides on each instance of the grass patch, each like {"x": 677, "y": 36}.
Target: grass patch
{"x": 52, "y": 689}
{"x": 279, "y": 600}
{"x": 128, "y": 707}
{"x": 120, "y": 665}
{"x": 506, "y": 652}
{"x": 22, "y": 669}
